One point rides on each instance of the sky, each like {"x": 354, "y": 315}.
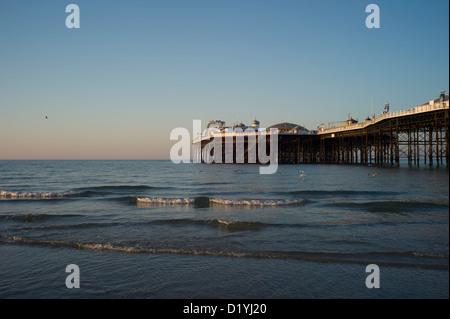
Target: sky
{"x": 135, "y": 70}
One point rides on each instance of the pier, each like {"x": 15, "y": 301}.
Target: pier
{"x": 419, "y": 135}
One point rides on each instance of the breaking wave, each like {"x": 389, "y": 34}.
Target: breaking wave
{"x": 165, "y": 201}
{"x": 39, "y": 195}
{"x": 71, "y": 226}
{"x": 118, "y": 188}
{"x": 35, "y": 217}
{"x": 218, "y": 223}
{"x": 340, "y": 193}
{"x": 205, "y": 202}
{"x": 256, "y": 202}
{"x": 405, "y": 259}
{"x": 77, "y": 192}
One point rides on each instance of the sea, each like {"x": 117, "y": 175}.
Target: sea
{"x": 152, "y": 229}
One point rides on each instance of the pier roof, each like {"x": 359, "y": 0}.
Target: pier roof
{"x": 288, "y": 126}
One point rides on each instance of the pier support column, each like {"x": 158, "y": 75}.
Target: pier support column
{"x": 446, "y": 145}
{"x": 430, "y": 145}
{"x": 418, "y": 146}
{"x": 391, "y": 146}
{"x": 409, "y": 148}
{"x": 437, "y": 139}
{"x": 397, "y": 147}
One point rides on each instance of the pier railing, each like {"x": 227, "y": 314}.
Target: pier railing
{"x": 416, "y": 110}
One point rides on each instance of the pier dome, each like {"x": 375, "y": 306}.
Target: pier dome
{"x": 285, "y": 126}
{"x": 255, "y": 124}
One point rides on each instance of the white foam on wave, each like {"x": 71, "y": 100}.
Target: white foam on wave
{"x": 255, "y": 202}
{"x": 117, "y": 248}
{"x": 225, "y": 222}
{"x": 221, "y": 201}
{"x": 165, "y": 201}
{"x": 36, "y": 195}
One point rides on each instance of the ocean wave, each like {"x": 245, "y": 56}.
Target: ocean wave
{"x": 77, "y": 192}
{"x": 205, "y": 202}
{"x": 71, "y": 226}
{"x": 414, "y": 260}
{"x": 256, "y": 202}
{"x": 225, "y": 225}
{"x": 165, "y": 201}
{"x": 218, "y": 224}
{"x": 339, "y": 193}
{"x": 38, "y": 195}
{"x": 118, "y": 188}
{"x": 35, "y": 217}
{"x": 391, "y": 206}
{"x": 236, "y": 225}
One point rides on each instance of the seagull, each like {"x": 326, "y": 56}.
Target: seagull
{"x": 239, "y": 171}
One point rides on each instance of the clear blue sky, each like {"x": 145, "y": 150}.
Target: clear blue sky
{"x": 135, "y": 70}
